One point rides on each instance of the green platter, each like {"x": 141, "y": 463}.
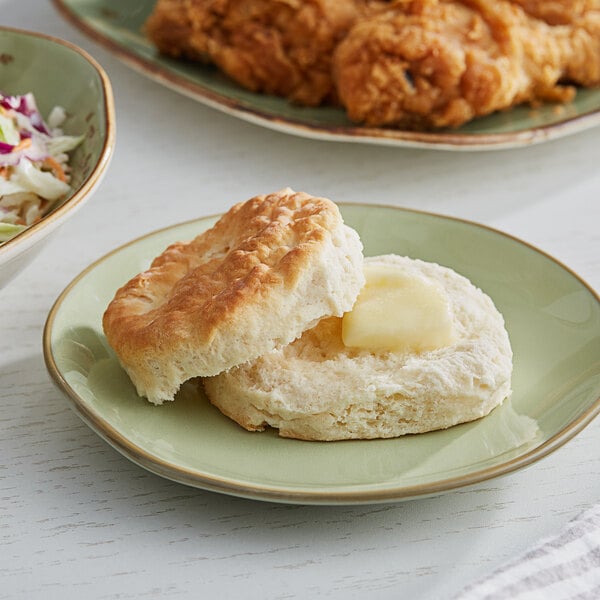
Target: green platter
{"x": 118, "y": 25}
{"x": 552, "y": 316}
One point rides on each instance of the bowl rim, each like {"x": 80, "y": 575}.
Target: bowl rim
{"x": 17, "y": 244}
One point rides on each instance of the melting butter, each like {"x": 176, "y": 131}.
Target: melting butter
{"x": 398, "y": 312}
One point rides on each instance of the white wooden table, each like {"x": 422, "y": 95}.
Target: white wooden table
{"x": 77, "y": 520}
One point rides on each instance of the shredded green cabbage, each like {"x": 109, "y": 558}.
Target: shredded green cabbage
{"x": 34, "y": 170}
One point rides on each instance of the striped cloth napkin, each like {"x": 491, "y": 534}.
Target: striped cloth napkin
{"x": 561, "y": 567}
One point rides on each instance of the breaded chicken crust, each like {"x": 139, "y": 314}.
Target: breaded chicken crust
{"x": 402, "y": 63}
{"x": 558, "y": 12}
{"x": 279, "y": 47}
{"x": 432, "y": 63}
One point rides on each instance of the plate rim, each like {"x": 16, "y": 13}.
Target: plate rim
{"x": 281, "y": 493}
{"x": 354, "y": 134}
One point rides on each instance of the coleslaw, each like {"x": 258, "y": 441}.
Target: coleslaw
{"x": 34, "y": 169}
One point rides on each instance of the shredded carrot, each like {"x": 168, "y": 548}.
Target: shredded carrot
{"x": 4, "y": 172}
{"x": 22, "y": 145}
{"x": 55, "y": 167}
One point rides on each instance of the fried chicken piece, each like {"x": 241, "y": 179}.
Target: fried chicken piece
{"x": 280, "y": 47}
{"x": 558, "y": 12}
{"x": 440, "y": 63}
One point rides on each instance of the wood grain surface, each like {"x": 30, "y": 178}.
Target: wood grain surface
{"x": 77, "y": 520}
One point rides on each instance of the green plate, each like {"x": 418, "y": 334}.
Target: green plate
{"x": 118, "y": 26}
{"x": 553, "y": 319}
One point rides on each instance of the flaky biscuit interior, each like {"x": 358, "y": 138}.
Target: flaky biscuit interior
{"x": 318, "y": 389}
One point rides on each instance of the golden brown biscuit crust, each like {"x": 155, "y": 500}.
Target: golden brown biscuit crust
{"x": 206, "y": 305}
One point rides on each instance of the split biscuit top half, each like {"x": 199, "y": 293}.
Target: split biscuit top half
{"x": 268, "y": 270}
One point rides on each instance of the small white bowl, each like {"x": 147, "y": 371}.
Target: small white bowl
{"x": 58, "y": 74}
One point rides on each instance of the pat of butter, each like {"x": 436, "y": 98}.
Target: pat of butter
{"x": 398, "y": 312}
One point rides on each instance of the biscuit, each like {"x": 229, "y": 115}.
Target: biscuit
{"x": 318, "y": 389}
{"x": 269, "y": 269}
